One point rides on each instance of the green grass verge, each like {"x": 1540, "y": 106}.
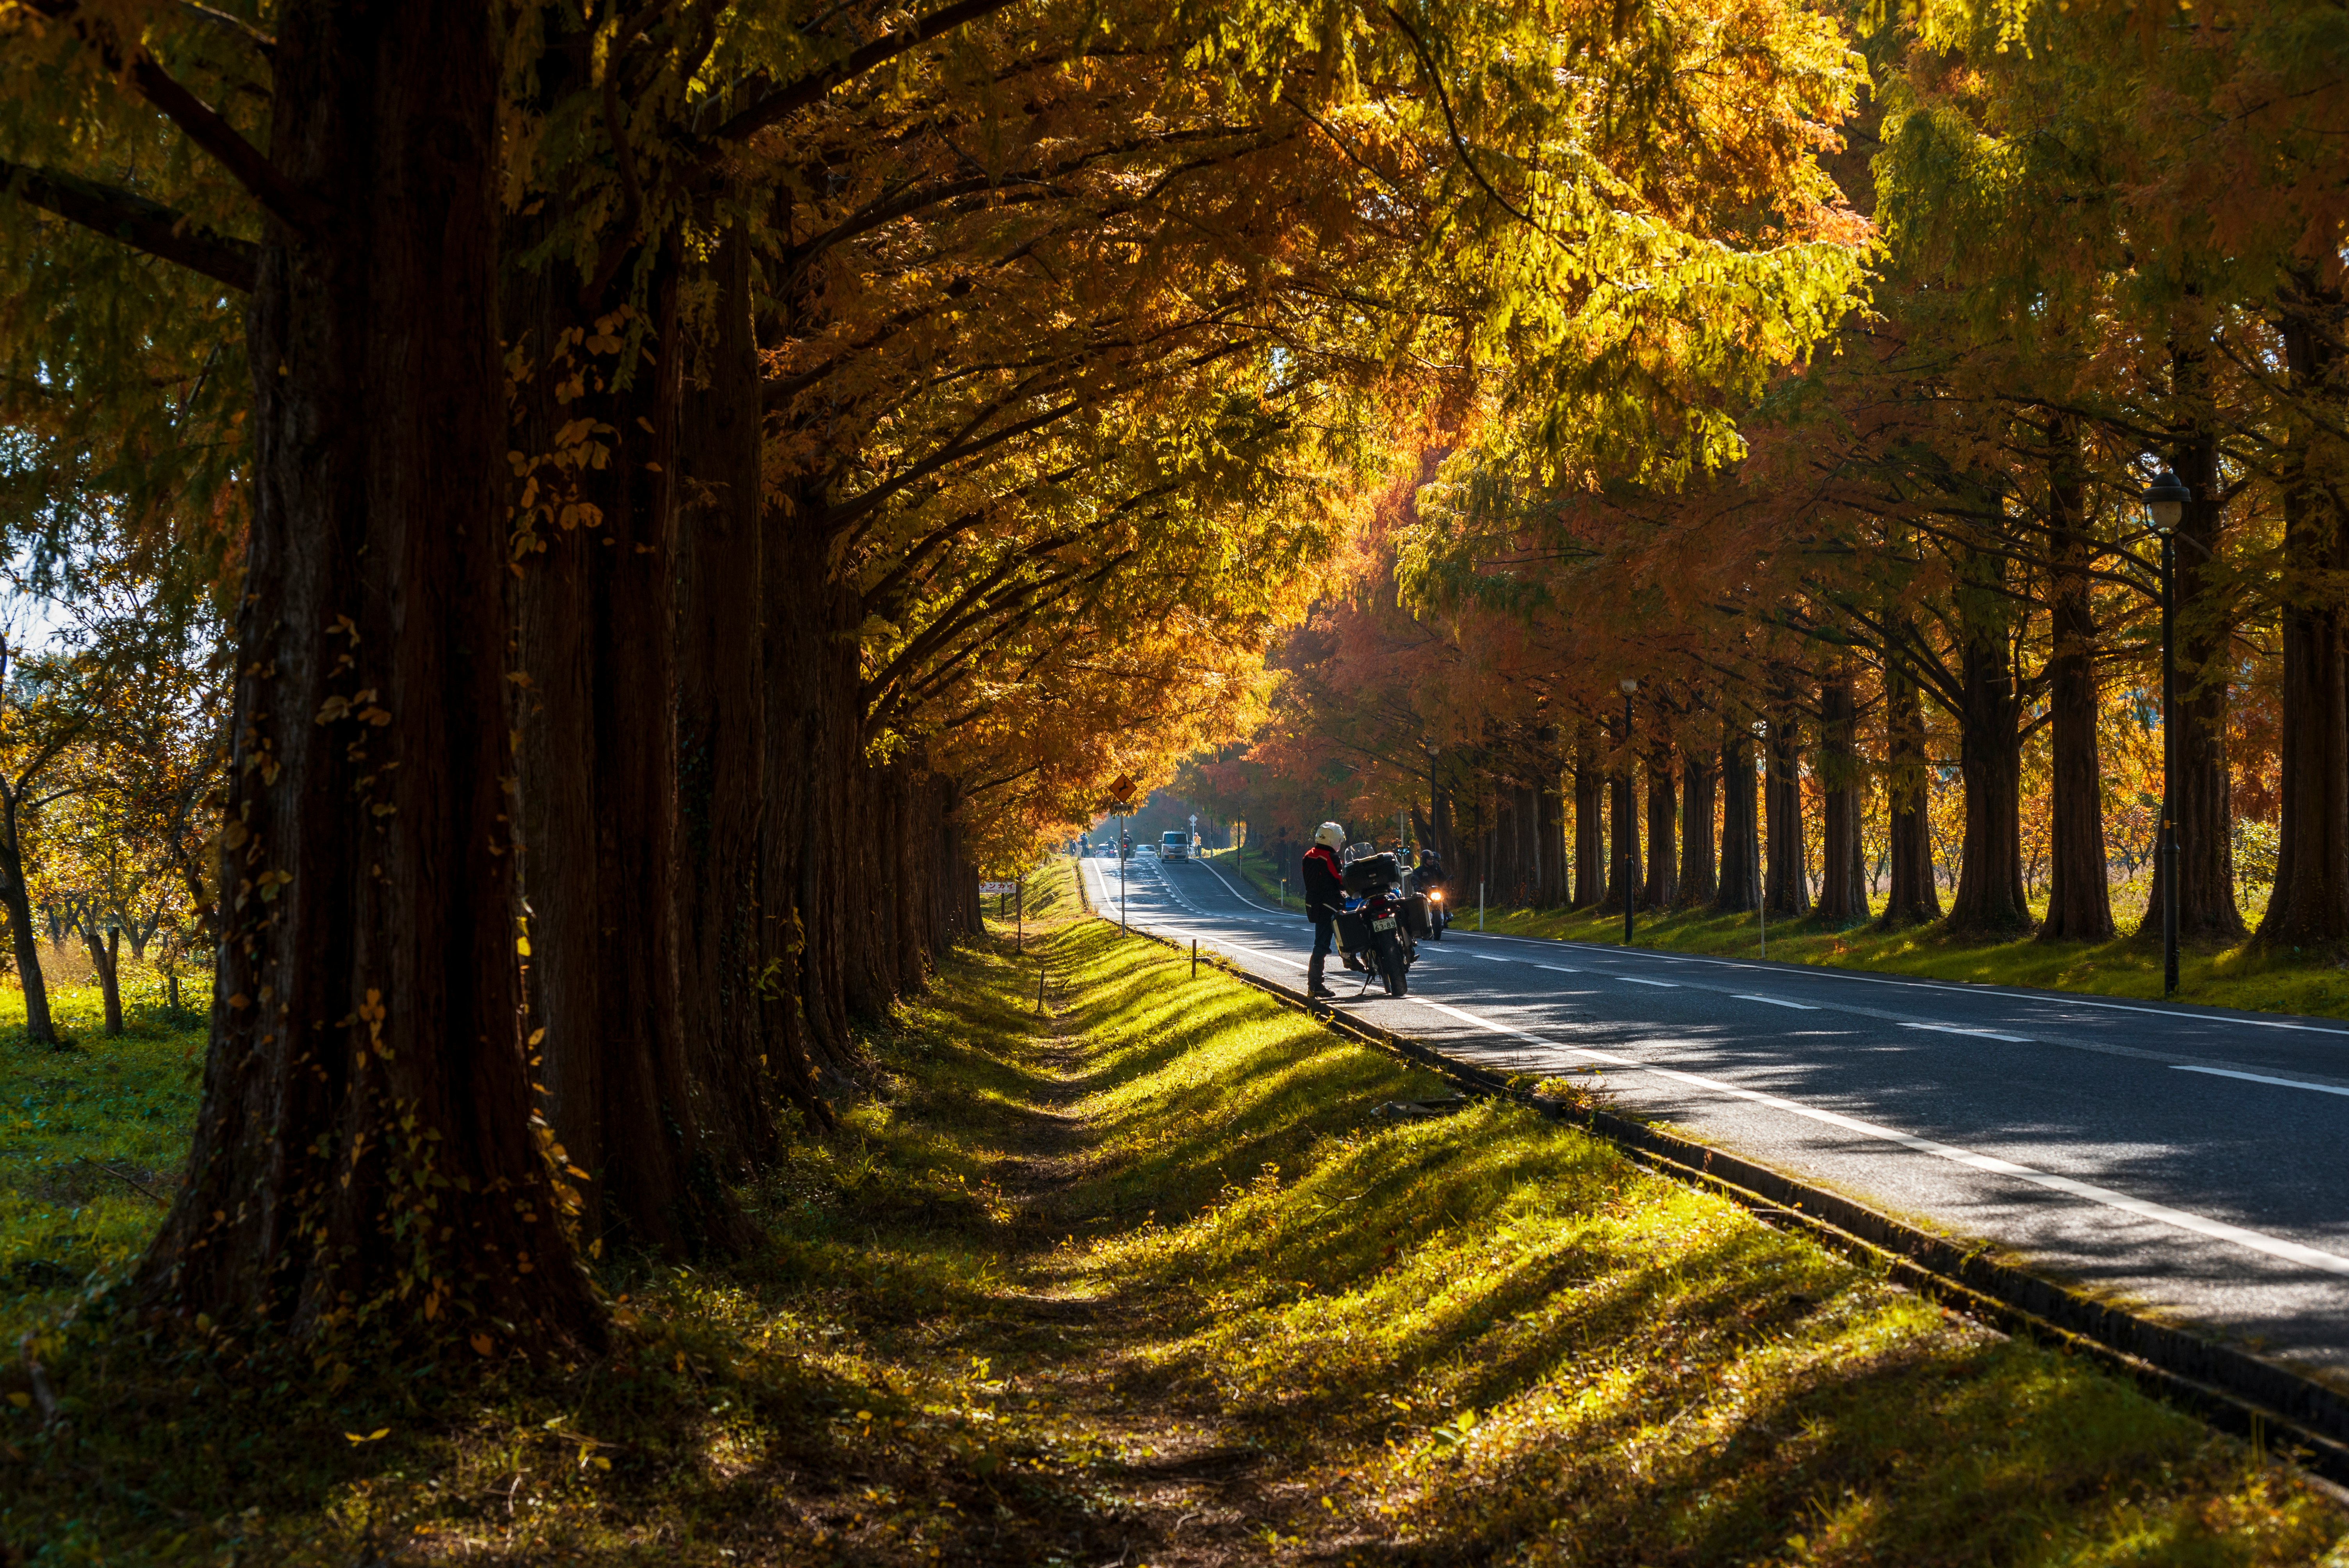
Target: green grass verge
{"x": 91, "y": 1141}
{"x": 1145, "y": 1280}
{"x": 2245, "y": 977}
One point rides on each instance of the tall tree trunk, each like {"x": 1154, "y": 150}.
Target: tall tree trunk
{"x": 1589, "y": 821}
{"x": 721, "y": 728}
{"x": 2203, "y": 811}
{"x": 1623, "y": 864}
{"x": 810, "y": 728}
{"x": 1441, "y": 825}
{"x": 1787, "y": 886}
{"x": 24, "y": 936}
{"x": 1912, "y": 895}
{"x": 1741, "y": 827}
{"x": 1663, "y": 887}
{"x": 1843, "y": 783}
{"x": 2079, "y": 895}
{"x": 2309, "y": 909}
{"x": 1990, "y": 896}
{"x": 1550, "y": 834}
{"x": 105, "y": 948}
{"x": 1699, "y": 882}
{"x": 365, "y": 1133}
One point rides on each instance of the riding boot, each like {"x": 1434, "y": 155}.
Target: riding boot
{"x": 1313, "y": 987}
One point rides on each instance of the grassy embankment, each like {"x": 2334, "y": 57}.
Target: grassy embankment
{"x": 2238, "y": 976}
{"x": 91, "y": 1137}
{"x": 1144, "y": 1280}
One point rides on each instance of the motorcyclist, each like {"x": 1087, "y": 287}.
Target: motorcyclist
{"x": 1323, "y": 890}
{"x": 1427, "y": 877}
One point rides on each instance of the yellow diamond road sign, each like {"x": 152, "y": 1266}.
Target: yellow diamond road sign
{"x": 1122, "y": 788}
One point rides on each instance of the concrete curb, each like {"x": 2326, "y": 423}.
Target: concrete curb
{"x": 2268, "y": 1404}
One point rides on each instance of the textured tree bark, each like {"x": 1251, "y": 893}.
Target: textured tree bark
{"x": 1589, "y": 821}
{"x": 1663, "y": 886}
{"x": 1911, "y": 893}
{"x": 600, "y": 606}
{"x": 1623, "y": 864}
{"x": 721, "y": 726}
{"x": 1787, "y": 886}
{"x": 104, "y": 949}
{"x": 1741, "y": 828}
{"x": 1700, "y": 884}
{"x": 367, "y": 1129}
{"x": 2309, "y": 906}
{"x": 556, "y": 625}
{"x": 1503, "y": 874}
{"x": 1843, "y": 778}
{"x": 1441, "y": 828}
{"x": 1551, "y": 836}
{"x": 25, "y": 937}
{"x": 2207, "y": 911}
{"x": 2079, "y": 891}
{"x": 1990, "y": 896}
{"x": 811, "y": 725}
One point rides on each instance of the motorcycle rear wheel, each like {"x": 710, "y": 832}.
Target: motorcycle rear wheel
{"x": 1397, "y": 966}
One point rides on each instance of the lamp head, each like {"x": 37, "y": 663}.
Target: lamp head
{"x": 2164, "y": 502}
{"x": 1629, "y": 685}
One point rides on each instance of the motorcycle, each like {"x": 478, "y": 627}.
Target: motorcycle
{"x": 1438, "y": 916}
{"x": 1379, "y": 919}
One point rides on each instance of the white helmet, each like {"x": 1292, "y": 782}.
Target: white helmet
{"x": 1329, "y": 835}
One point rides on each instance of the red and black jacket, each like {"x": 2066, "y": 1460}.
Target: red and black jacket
{"x": 1322, "y": 886}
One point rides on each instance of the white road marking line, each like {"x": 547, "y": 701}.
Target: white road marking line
{"x": 1971, "y": 1034}
{"x": 1777, "y": 1002}
{"x": 2259, "y": 1078}
{"x": 2257, "y": 1240}
{"x": 1557, "y": 969}
{"x": 1635, "y": 980}
{"x": 1491, "y": 958}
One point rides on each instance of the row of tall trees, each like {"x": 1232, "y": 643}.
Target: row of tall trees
{"x": 693, "y": 483}
{"x": 2110, "y": 242}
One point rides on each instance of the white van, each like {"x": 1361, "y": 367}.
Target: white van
{"x": 1174, "y": 845}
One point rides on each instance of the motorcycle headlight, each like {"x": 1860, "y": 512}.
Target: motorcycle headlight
{"x": 1435, "y": 898}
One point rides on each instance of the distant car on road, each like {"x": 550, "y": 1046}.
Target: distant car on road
{"x": 1174, "y": 845}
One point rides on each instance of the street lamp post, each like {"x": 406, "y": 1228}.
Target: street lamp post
{"x": 1629, "y": 685}
{"x": 1761, "y": 874}
{"x": 2165, "y": 506}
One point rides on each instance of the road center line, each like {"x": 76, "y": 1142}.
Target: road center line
{"x": 2259, "y": 1078}
{"x": 2257, "y": 1240}
{"x": 1775, "y": 1002}
{"x": 1635, "y": 980}
{"x": 1557, "y": 969}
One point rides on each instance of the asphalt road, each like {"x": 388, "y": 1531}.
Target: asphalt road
{"x": 2191, "y": 1160}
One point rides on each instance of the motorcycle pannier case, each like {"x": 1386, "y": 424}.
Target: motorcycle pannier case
{"x": 1353, "y": 933}
{"x": 1415, "y": 915}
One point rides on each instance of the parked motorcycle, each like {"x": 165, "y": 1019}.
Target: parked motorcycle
{"x": 1378, "y": 918}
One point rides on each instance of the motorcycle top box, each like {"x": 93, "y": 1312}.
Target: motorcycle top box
{"x": 1372, "y": 873}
